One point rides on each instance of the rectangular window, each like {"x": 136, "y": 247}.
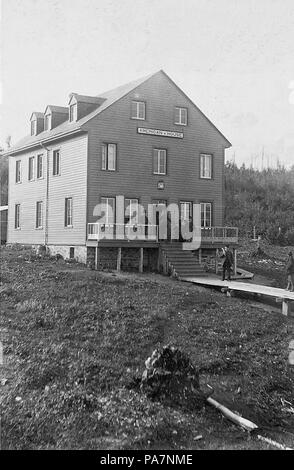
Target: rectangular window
{"x": 108, "y": 207}
{"x": 17, "y": 216}
{"x": 47, "y": 122}
{"x": 33, "y": 127}
{"x": 68, "y": 212}
{"x": 186, "y": 210}
{"x": 40, "y": 169}
{"x": 31, "y": 168}
{"x": 131, "y": 211}
{"x": 56, "y": 162}
{"x": 138, "y": 110}
{"x": 39, "y": 214}
{"x": 206, "y": 214}
{"x": 73, "y": 112}
{"x": 181, "y": 116}
{"x": 109, "y": 157}
{"x": 18, "y": 171}
{"x": 159, "y": 161}
{"x": 205, "y": 166}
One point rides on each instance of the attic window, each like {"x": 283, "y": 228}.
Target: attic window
{"x": 34, "y": 127}
{"x": 47, "y": 122}
{"x": 73, "y": 112}
{"x": 181, "y": 116}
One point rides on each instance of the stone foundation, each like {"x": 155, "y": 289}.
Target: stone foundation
{"x": 79, "y": 253}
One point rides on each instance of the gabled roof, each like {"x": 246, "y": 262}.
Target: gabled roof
{"x": 86, "y": 99}
{"x": 57, "y": 109}
{"x": 38, "y": 115}
{"x": 110, "y": 97}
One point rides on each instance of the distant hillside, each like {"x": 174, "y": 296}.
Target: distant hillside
{"x": 264, "y": 199}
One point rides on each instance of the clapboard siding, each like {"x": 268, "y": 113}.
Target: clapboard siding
{"x": 26, "y": 193}
{"x": 134, "y": 177}
{"x": 72, "y": 182}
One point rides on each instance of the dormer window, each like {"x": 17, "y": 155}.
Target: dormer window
{"x": 47, "y": 122}
{"x": 37, "y": 123}
{"x": 73, "y": 112}
{"x": 33, "y": 127}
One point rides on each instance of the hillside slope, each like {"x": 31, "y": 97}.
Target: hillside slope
{"x": 264, "y": 199}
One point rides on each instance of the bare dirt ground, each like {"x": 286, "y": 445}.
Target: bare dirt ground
{"x": 75, "y": 342}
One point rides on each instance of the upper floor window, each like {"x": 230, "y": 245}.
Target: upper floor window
{"x": 47, "y": 122}
{"x": 39, "y": 214}
{"x": 56, "y": 162}
{"x": 138, "y": 110}
{"x": 73, "y": 112}
{"x": 40, "y": 166}
{"x": 159, "y": 161}
{"x": 18, "y": 171}
{"x": 109, "y": 157}
{"x": 181, "y": 116}
{"x": 68, "y": 212}
{"x": 31, "y": 174}
{"x": 34, "y": 127}
{"x": 206, "y": 214}
{"x": 205, "y": 166}
{"x": 17, "y": 216}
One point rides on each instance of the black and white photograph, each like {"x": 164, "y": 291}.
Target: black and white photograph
{"x": 147, "y": 228}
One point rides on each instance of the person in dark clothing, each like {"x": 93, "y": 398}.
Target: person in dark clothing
{"x": 227, "y": 263}
{"x": 290, "y": 272}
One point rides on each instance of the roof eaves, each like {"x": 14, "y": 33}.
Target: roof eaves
{"x": 36, "y": 143}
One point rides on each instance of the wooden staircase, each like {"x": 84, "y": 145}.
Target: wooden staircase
{"x": 182, "y": 262}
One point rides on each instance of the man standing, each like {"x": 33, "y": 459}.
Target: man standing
{"x": 290, "y": 272}
{"x": 228, "y": 262}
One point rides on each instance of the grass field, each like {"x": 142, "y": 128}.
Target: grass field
{"x": 75, "y": 340}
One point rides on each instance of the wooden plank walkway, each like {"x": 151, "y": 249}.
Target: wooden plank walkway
{"x": 230, "y": 286}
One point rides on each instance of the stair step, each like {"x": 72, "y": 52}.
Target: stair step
{"x": 190, "y": 274}
{"x": 180, "y": 255}
{"x": 186, "y": 266}
{"x": 182, "y": 269}
{"x": 183, "y": 254}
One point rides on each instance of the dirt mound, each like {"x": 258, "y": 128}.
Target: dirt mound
{"x": 171, "y": 377}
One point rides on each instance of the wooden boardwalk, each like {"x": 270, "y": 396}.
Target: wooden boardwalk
{"x": 231, "y": 286}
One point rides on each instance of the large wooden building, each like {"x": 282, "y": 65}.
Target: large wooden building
{"x": 144, "y": 143}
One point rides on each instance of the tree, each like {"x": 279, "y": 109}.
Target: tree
{"x": 3, "y": 178}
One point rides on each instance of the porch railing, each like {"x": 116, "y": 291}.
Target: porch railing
{"x": 220, "y": 234}
{"x": 97, "y": 231}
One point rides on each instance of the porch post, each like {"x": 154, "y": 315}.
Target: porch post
{"x": 216, "y": 261}
{"x": 200, "y": 256}
{"x": 118, "y": 261}
{"x": 235, "y": 261}
{"x": 141, "y": 260}
{"x": 285, "y": 307}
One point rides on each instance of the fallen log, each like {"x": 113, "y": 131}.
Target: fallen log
{"x": 273, "y": 443}
{"x": 244, "y": 423}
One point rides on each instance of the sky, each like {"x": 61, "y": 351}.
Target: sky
{"x": 233, "y": 58}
